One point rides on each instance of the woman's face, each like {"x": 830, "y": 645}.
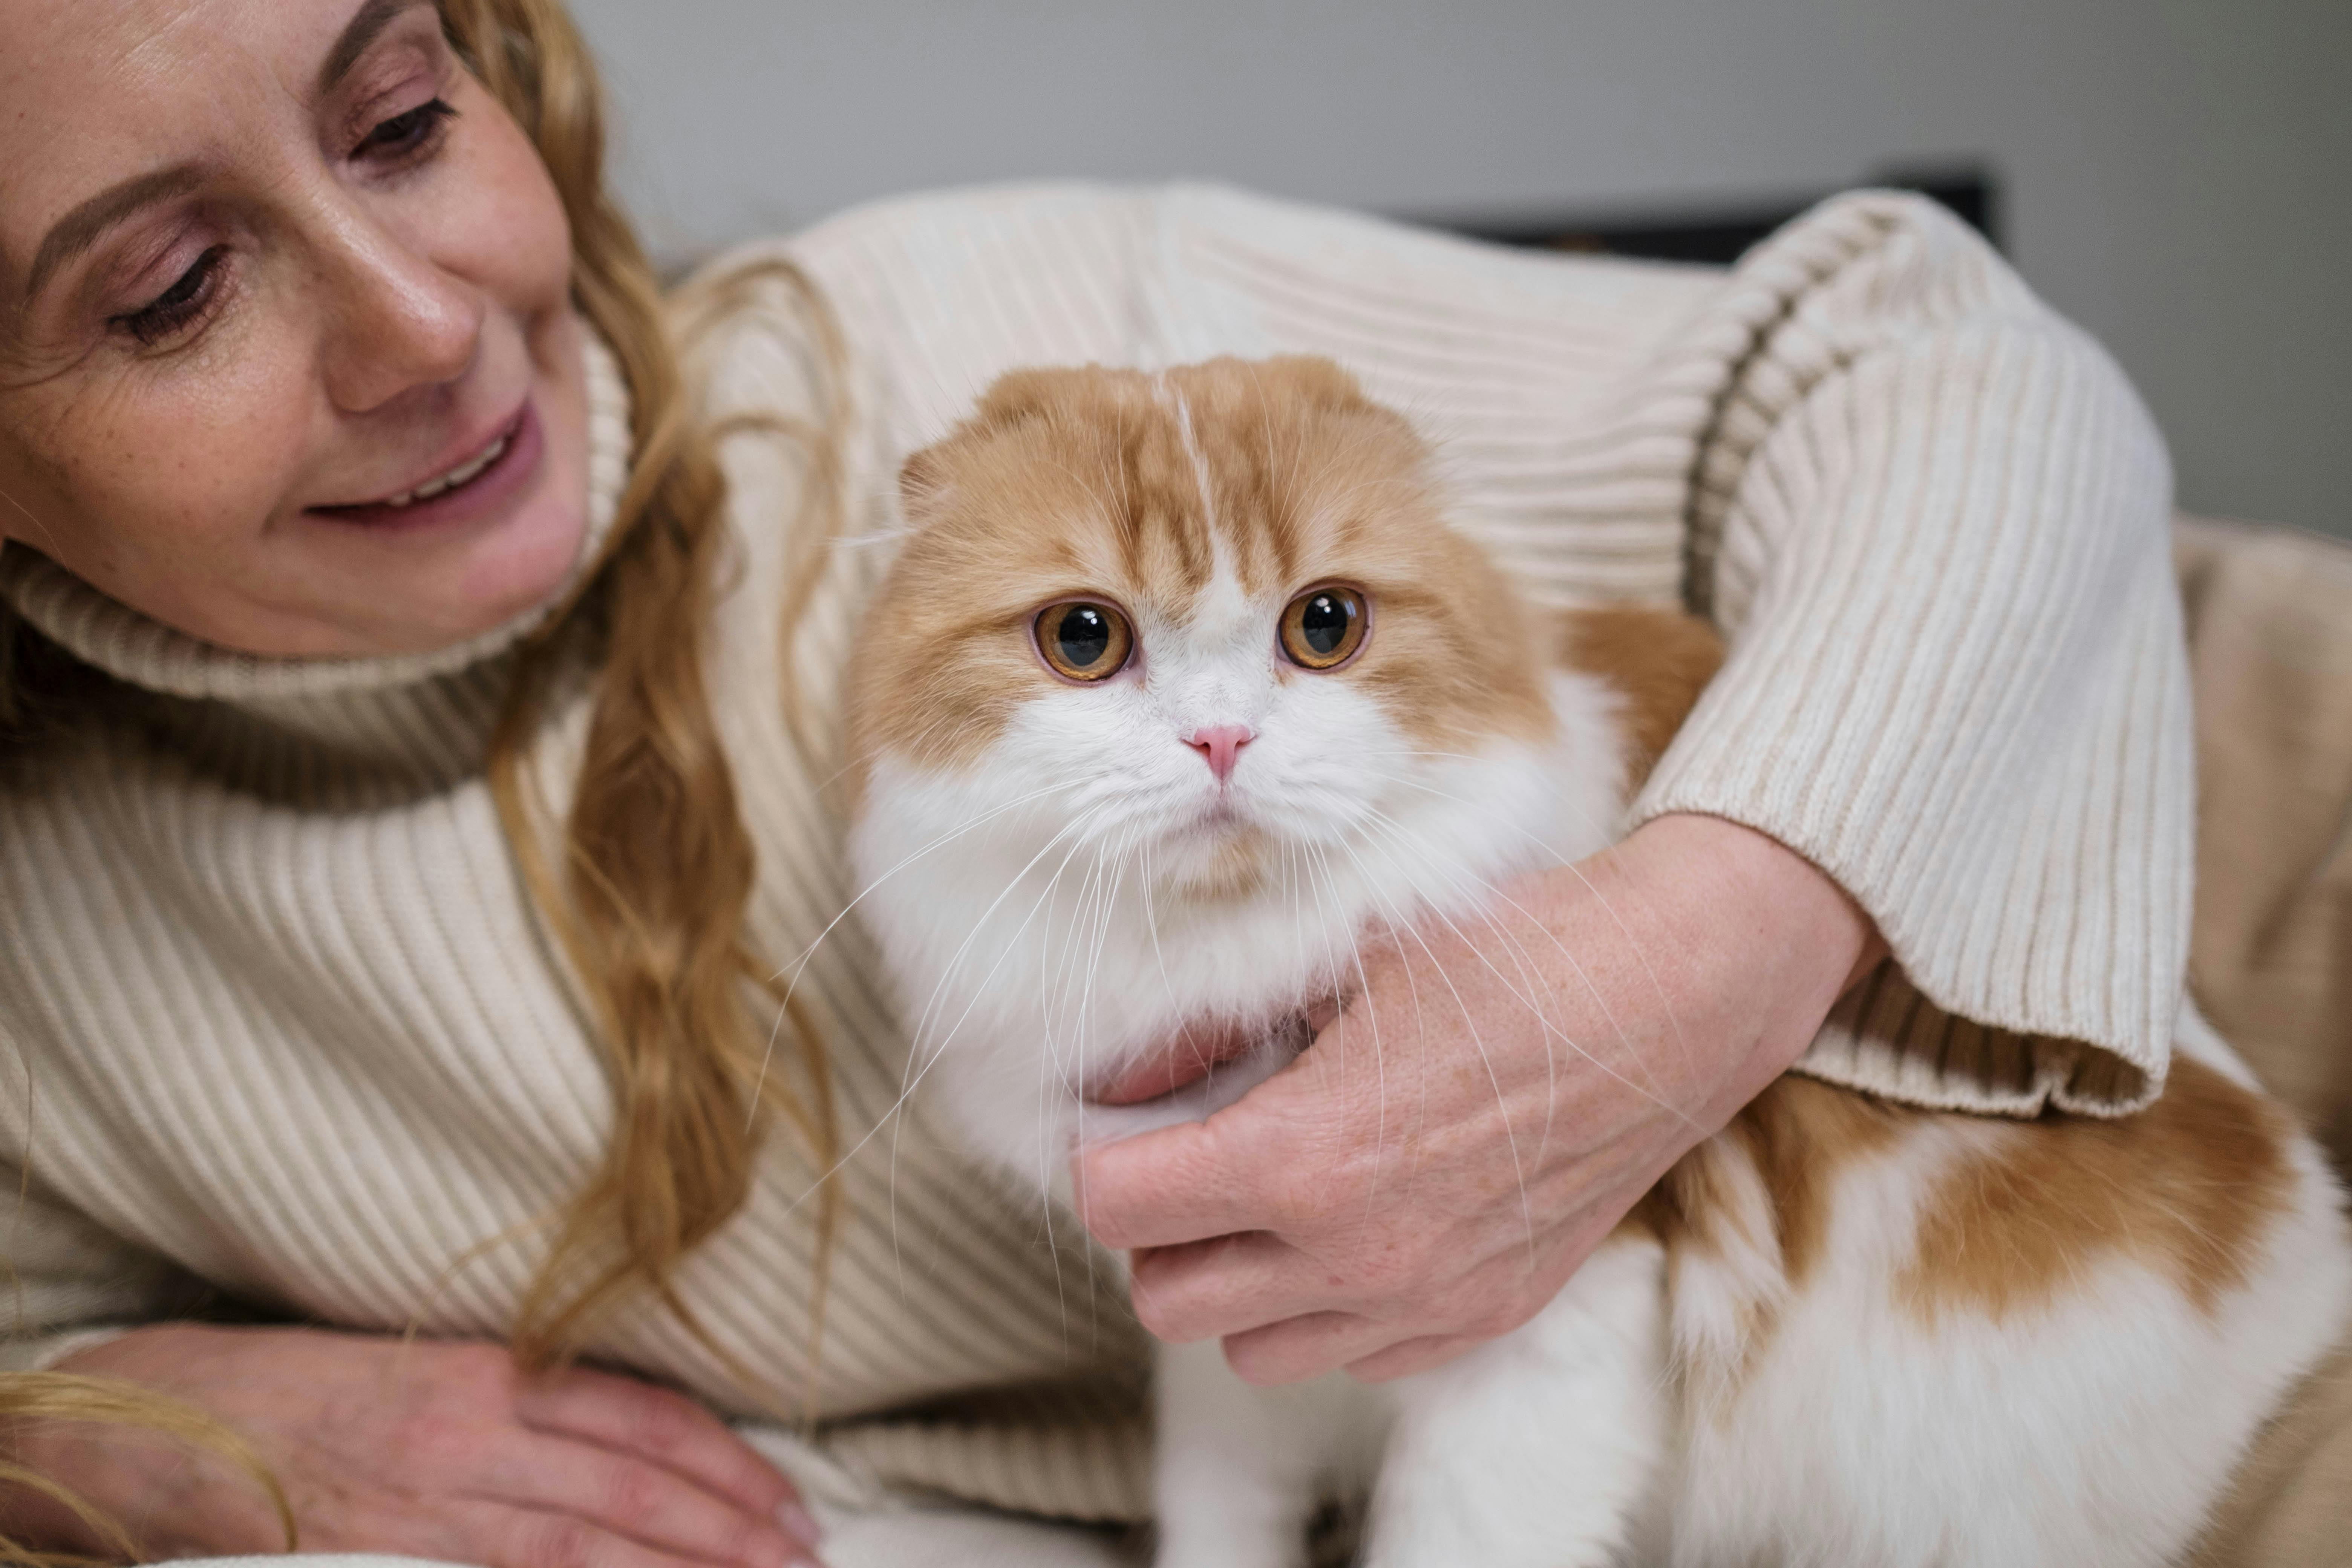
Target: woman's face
{"x": 268, "y": 268}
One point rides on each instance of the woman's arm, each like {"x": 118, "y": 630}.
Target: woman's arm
{"x": 436, "y": 1449}
{"x": 1931, "y": 518}
{"x": 1433, "y": 1169}
{"x": 1935, "y": 522}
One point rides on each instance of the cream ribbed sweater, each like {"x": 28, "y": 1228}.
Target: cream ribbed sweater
{"x": 274, "y": 1019}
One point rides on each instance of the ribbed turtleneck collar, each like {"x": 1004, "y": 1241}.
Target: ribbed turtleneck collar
{"x": 132, "y": 648}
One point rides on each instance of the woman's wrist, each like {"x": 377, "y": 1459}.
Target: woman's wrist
{"x": 1741, "y": 914}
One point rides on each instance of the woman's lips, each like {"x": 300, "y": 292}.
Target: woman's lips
{"x": 513, "y": 462}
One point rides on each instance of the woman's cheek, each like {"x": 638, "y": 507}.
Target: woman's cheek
{"x": 180, "y": 471}
{"x": 511, "y": 236}
{"x": 240, "y": 421}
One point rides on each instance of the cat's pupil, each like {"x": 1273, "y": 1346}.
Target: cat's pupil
{"x": 1083, "y": 635}
{"x": 1324, "y": 622}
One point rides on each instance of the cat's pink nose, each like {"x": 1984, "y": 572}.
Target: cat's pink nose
{"x": 1221, "y": 744}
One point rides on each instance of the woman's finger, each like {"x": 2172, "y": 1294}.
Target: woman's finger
{"x": 1208, "y": 1289}
{"x": 1257, "y": 1165}
{"x": 1410, "y": 1356}
{"x": 669, "y": 1429}
{"x": 1162, "y": 1189}
{"x": 1301, "y": 1348}
{"x": 535, "y": 1538}
{"x": 630, "y": 1496}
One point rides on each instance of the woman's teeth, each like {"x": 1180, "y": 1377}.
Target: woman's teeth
{"x": 453, "y": 478}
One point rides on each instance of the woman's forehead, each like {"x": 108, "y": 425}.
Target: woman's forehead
{"x": 99, "y": 94}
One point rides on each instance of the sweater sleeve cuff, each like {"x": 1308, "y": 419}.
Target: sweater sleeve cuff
{"x": 1932, "y": 519}
{"x": 2033, "y": 899}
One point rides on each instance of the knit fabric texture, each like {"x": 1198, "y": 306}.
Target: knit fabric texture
{"x": 279, "y": 1029}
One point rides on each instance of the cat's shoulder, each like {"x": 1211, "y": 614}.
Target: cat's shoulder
{"x": 1657, "y": 659}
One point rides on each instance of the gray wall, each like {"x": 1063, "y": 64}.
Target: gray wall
{"x": 2178, "y": 171}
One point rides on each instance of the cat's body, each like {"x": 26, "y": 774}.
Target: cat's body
{"x": 1178, "y": 687}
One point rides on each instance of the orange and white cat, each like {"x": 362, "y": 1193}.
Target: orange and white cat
{"x": 1154, "y": 645}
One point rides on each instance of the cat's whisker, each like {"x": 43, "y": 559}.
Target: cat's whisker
{"x": 1633, "y": 1055}
{"x": 1079, "y": 827}
{"x": 1117, "y": 881}
{"x": 1413, "y": 987}
{"x": 910, "y": 1078}
{"x": 1641, "y": 955}
{"x": 1481, "y": 893}
{"x": 1050, "y": 1059}
{"x": 944, "y": 839}
{"x": 1380, "y": 1064}
{"x": 1076, "y": 830}
{"x": 799, "y": 967}
{"x": 1112, "y": 866}
{"x": 1502, "y": 1105}
{"x": 869, "y": 539}
{"x": 1070, "y": 1066}
{"x": 1549, "y": 1030}
{"x": 1398, "y": 918}
{"x": 1159, "y": 954}
{"x": 1666, "y": 999}
{"x": 1488, "y": 891}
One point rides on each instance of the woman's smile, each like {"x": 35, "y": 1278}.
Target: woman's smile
{"x": 481, "y": 485}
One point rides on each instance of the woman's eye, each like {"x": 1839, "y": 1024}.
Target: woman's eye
{"x": 405, "y": 133}
{"x": 177, "y": 306}
{"x": 1084, "y": 641}
{"x": 1323, "y": 628}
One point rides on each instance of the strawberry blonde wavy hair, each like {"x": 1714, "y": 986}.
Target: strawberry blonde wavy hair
{"x": 645, "y": 883}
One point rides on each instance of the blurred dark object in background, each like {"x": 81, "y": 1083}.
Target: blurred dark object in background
{"x": 1720, "y": 233}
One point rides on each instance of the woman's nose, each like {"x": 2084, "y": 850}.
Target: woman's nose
{"x": 399, "y": 321}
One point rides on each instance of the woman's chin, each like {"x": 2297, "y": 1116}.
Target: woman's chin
{"x": 524, "y": 565}
{"x": 362, "y": 601}
{"x": 418, "y": 590}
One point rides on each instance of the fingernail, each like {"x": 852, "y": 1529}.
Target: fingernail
{"x": 798, "y": 1521}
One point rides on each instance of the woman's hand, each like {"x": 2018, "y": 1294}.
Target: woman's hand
{"x": 422, "y": 1448}
{"x": 1492, "y": 1100}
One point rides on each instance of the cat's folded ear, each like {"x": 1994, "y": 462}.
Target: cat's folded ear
{"x": 1313, "y": 384}
{"x": 1315, "y": 381}
{"x": 923, "y": 481}
{"x": 1013, "y": 399}
{"x": 1020, "y": 395}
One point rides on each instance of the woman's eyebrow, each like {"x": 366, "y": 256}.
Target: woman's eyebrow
{"x": 79, "y": 229}
{"x": 364, "y": 28}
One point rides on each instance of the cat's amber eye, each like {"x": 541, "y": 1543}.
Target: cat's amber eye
{"x": 1083, "y": 640}
{"x": 1323, "y": 626}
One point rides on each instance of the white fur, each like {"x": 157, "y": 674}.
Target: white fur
{"x": 1040, "y": 913}
{"x": 2096, "y": 1430}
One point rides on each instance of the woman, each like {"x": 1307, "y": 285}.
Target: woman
{"x": 410, "y": 818}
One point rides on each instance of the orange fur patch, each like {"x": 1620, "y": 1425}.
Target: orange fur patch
{"x": 2186, "y": 1187}
{"x": 1660, "y": 660}
{"x": 1764, "y": 1188}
